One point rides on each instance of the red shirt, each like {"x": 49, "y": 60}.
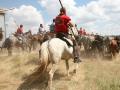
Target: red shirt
{"x": 61, "y": 26}
{"x": 84, "y": 33}
{"x": 80, "y": 32}
{"x": 19, "y": 31}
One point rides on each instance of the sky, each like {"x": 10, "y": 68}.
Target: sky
{"x": 98, "y": 16}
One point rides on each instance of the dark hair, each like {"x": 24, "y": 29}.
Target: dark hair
{"x": 63, "y": 10}
{"x": 41, "y": 25}
{"x": 21, "y": 25}
{"x": 53, "y": 20}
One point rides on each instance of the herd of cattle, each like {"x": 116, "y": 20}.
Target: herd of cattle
{"x": 93, "y": 44}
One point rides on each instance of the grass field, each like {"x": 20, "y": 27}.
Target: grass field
{"x": 92, "y": 74}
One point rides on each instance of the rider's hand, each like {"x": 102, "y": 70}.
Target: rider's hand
{"x": 70, "y": 24}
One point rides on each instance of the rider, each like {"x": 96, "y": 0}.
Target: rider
{"x": 84, "y": 32}
{"x": 62, "y": 22}
{"x": 20, "y": 30}
{"x": 80, "y": 31}
{"x": 19, "y": 33}
{"x": 52, "y": 26}
{"x": 41, "y": 29}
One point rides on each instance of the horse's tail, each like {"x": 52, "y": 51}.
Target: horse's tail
{"x": 44, "y": 57}
{"x": 40, "y": 73}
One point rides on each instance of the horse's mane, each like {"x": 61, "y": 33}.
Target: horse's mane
{"x": 74, "y": 30}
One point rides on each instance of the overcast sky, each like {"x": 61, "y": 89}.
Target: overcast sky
{"x": 99, "y": 16}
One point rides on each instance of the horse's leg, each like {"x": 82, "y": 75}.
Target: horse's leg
{"x": 115, "y": 54}
{"x": 51, "y": 73}
{"x": 1, "y": 49}
{"x": 75, "y": 68}
{"x": 34, "y": 45}
{"x": 30, "y": 49}
{"x": 67, "y": 67}
{"x": 39, "y": 53}
{"x": 9, "y": 51}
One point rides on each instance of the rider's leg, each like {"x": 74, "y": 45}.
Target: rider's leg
{"x": 62, "y": 37}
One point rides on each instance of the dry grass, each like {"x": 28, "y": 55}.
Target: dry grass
{"x": 92, "y": 74}
{"x": 102, "y": 75}
{"x": 14, "y": 68}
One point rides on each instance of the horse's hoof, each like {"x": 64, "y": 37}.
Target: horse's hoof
{"x": 74, "y": 71}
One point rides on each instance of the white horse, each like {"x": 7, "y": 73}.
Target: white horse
{"x": 53, "y": 51}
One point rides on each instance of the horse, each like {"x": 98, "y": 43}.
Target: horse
{"x": 17, "y": 41}
{"x": 114, "y": 49}
{"x": 97, "y": 46}
{"x": 111, "y": 46}
{"x": 86, "y": 42}
{"x": 52, "y": 51}
{"x": 39, "y": 38}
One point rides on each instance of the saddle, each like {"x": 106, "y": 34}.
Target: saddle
{"x": 67, "y": 41}
{"x": 63, "y": 37}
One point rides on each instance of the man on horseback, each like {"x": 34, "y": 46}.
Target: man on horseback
{"x": 41, "y": 29}
{"x": 20, "y": 30}
{"x": 19, "y": 33}
{"x": 84, "y": 32}
{"x": 52, "y": 26}
{"x": 62, "y": 23}
{"x": 80, "y": 31}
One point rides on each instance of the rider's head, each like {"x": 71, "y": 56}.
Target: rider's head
{"x": 53, "y": 20}
{"x": 41, "y": 25}
{"x": 80, "y": 28}
{"x": 21, "y": 26}
{"x": 63, "y": 11}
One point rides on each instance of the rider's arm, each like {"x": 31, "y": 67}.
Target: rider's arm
{"x": 70, "y": 24}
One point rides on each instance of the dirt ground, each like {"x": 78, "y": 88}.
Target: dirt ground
{"x": 15, "y": 72}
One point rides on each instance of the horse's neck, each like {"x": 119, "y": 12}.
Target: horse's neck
{"x": 73, "y": 31}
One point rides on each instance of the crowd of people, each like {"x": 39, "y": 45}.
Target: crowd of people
{"x": 81, "y": 31}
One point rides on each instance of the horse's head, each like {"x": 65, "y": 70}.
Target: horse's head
{"x": 27, "y": 34}
{"x": 73, "y": 30}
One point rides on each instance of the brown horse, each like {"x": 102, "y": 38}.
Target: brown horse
{"x": 40, "y": 38}
{"x": 114, "y": 47}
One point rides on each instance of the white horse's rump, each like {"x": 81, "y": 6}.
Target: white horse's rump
{"x": 53, "y": 51}
{"x": 56, "y": 49}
